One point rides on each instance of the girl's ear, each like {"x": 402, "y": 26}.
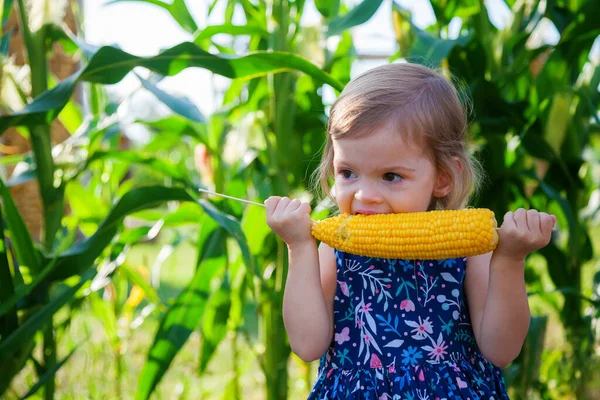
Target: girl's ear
{"x": 443, "y": 185}
{"x": 445, "y": 182}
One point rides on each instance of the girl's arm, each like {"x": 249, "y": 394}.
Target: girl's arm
{"x": 311, "y": 281}
{"x": 495, "y": 286}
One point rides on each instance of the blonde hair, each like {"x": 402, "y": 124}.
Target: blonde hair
{"x": 424, "y": 106}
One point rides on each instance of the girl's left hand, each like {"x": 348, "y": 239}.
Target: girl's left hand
{"x": 523, "y": 232}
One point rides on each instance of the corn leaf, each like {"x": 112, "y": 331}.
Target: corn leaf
{"x": 233, "y": 228}
{"x": 82, "y": 256}
{"x": 328, "y": 8}
{"x": 109, "y": 65}
{"x": 5, "y": 42}
{"x": 5, "y": 11}
{"x": 169, "y": 169}
{"x": 136, "y": 278}
{"x": 357, "y": 16}
{"x": 49, "y": 374}
{"x": 428, "y": 48}
{"x": 21, "y": 291}
{"x": 214, "y": 324}
{"x": 203, "y": 37}
{"x": 24, "y": 333}
{"x": 186, "y": 313}
{"x": 9, "y": 322}
{"x": 180, "y": 105}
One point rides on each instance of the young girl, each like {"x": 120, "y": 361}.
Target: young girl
{"x": 403, "y": 329}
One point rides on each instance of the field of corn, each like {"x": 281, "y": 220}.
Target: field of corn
{"x": 119, "y": 280}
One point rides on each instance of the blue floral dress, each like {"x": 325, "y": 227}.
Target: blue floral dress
{"x": 403, "y": 331}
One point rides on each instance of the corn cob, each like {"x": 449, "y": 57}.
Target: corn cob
{"x": 431, "y": 235}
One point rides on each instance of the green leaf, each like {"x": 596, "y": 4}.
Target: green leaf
{"x": 229, "y": 29}
{"x": 182, "y": 15}
{"x": 566, "y": 208}
{"x": 434, "y": 50}
{"x": 328, "y": 8}
{"x": 186, "y": 313}
{"x": 21, "y": 291}
{"x": 104, "y": 311}
{"x": 537, "y": 146}
{"x": 133, "y": 157}
{"x": 255, "y": 228}
{"x": 71, "y": 116}
{"x": 13, "y": 159}
{"x": 186, "y": 214}
{"x": 426, "y": 48}
{"x": 10, "y": 322}
{"x": 84, "y": 203}
{"x": 137, "y": 279}
{"x": 11, "y": 367}
{"x": 5, "y": 42}
{"x": 234, "y": 229}
{"x": 180, "y": 105}
{"x": 25, "y": 250}
{"x": 109, "y": 65}
{"x": 232, "y": 389}
{"x": 214, "y": 323}
{"x": 56, "y": 33}
{"x": 175, "y": 124}
{"x": 82, "y": 256}
{"x": 357, "y": 16}
{"x": 445, "y": 10}
{"x": 49, "y": 374}
{"x": 5, "y": 12}
{"x": 584, "y": 28}
{"x": 12, "y": 343}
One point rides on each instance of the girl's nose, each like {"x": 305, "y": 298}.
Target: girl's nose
{"x": 367, "y": 194}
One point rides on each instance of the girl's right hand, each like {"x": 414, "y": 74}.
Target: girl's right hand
{"x": 289, "y": 219}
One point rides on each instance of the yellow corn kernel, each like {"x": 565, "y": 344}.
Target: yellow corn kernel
{"x": 430, "y": 235}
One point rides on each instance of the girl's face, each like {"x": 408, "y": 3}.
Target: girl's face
{"x": 381, "y": 173}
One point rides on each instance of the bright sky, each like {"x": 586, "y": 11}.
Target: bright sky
{"x": 144, "y": 29}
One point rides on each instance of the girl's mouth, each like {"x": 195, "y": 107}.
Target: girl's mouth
{"x": 365, "y": 212}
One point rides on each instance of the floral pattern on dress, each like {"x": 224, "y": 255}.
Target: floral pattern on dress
{"x": 403, "y": 331}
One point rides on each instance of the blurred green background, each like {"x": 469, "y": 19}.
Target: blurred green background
{"x": 119, "y": 280}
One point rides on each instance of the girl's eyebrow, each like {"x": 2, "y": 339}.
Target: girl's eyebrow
{"x": 342, "y": 163}
{"x": 396, "y": 167}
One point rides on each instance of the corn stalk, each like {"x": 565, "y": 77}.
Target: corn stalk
{"x": 52, "y": 195}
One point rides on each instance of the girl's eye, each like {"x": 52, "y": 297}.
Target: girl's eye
{"x": 391, "y": 177}
{"x": 346, "y": 173}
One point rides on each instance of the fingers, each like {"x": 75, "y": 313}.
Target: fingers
{"x": 533, "y": 222}
{"x": 280, "y": 205}
{"x": 289, "y": 219}
{"x": 520, "y": 217}
{"x": 271, "y": 203}
{"x": 509, "y": 220}
{"x": 527, "y": 229}
{"x": 547, "y": 222}
{"x": 294, "y": 205}
{"x": 538, "y": 223}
